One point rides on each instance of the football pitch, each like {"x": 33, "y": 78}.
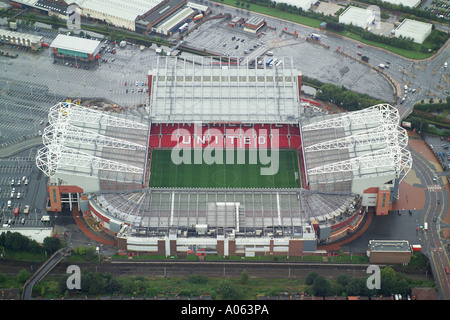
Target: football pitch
{"x": 164, "y": 173}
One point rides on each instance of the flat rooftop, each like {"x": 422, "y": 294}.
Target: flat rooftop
{"x": 176, "y": 19}
{"x": 412, "y": 27}
{"x": 255, "y": 21}
{"x": 75, "y": 44}
{"x": 389, "y": 246}
{"x": 154, "y": 16}
{"x": 33, "y": 38}
{"x": 356, "y": 14}
{"x": 127, "y": 10}
{"x": 405, "y": 3}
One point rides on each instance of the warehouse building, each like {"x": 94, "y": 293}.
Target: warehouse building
{"x": 357, "y": 16}
{"x": 54, "y": 7}
{"x": 200, "y": 8}
{"x": 236, "y": 21}
{"x": 254, "y": 24}
{"x": 405, "y": 3}
{"x": 416, "y": 30}
{"x": 175, "y": 21}
{"x": 147, "y": 22}
{"x": 73, "y": 47}
{"x": 389, "y": 251}
{"x": 21, "y": 39}
{"x": 305, "y": 5}
{"x": 119, "y": 13}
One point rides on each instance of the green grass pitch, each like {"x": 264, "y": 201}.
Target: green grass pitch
{"x": 165, "y": 173}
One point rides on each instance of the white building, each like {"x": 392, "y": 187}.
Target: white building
{"x": 416, "y": 30}
{"x": 357, "y": 16}
{"x": 167, "y": 26}
{"x": 405, "y": 3}
{"x": 304, "y": 4}
{"x": 119, "y": 13}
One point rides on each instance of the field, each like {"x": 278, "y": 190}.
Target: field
{"x": 165, "y": 173}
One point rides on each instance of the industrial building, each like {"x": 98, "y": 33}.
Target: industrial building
{"x": 119, "y": 13}
{"x": 389, "y": 251}
{"x": 99, "y": 163}
{"x": 236, "y": 21}
{"x": 254, "y": 24}
{"x": 357, "y": 16}
{"x": 21, "y": 39}
{"x": 416, "y": 30}
{"x": 146, "y": 23}
{"x": 405, "y": 3}
{"x": 174, "y": 22}
{"x": 54, "y": 7}
{"x": 64, "y": 46}
{"x": 305, "y": 5}
{"x": 200, "y": 8}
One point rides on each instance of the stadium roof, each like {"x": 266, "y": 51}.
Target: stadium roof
{"x": 82, "y": 143}
{"x": 363, "y": 144}
{"x": 196, "y": 90}
{"x": 75, "y": 44}
{"x": 243, "y": 210}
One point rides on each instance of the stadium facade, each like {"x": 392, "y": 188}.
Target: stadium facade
{"x": 100, "y": 163}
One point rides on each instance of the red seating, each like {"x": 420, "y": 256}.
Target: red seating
{"x": 168, "y": 128}
{"x": 154, "y": 141}
{"x": 166, "y": 141}
{"x": 294, "y": 130}
{"x": 155, "y": 129}
{"x": 296, "y": 142}
{"x": 281, "y": 136}
{"x": 281, "y": 129}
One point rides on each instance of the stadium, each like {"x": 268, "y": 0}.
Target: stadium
{"x": 226, "y": 158}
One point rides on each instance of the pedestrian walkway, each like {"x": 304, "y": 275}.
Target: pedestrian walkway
{"x": 336, "y": 246}
{"x": 87, "y": 231}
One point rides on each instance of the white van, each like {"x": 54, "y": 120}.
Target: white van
{"x": 9, "y": 203}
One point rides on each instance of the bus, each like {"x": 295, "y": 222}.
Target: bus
{"x": 268, "y": 62}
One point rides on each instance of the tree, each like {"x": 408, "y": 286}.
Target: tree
{"x": 343, "y": 279}
{"x": 321, "y": 287}
{"x": 388, "y": 280}
{"x": 244, "y": 277}
{"x": 228, "y": 291}
{"x": 353, "y": 287}
{"x": 350, "y": 100}
{"x": 309, "y": 280}
{"x": 22, "y": 276}
{"x": 51, "y": 244}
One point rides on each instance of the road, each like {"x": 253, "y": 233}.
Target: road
{"x": 436, "y": 206}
